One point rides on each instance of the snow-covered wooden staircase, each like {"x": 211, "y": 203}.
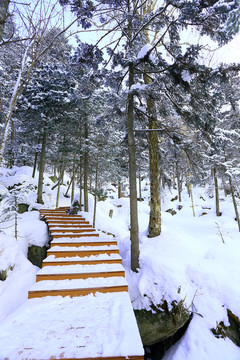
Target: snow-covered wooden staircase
{"x": 80, "y": 263}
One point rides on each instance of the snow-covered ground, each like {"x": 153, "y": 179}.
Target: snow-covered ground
{"x": 195, "y": 259}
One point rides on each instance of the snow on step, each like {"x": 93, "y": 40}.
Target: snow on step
{"x": 70, "y": 269}
{"x": 71, "y": 231}
{"x": 69, "y": 227}
{"x": 80, "y": 235}
{"x": 78, "y": 287}
{"x": 81, "y": 269}
{"x": 97, "y": 326}
{"x": 72, "y": 241}
{"x": 82, "y": 248}
{"x": 47, "y": 285}
{"x": 92, "y": 259}
{"x": 112, "y": 256}
{"x": 63, "y": 217}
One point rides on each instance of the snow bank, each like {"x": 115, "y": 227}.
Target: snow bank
{"x": 20, "y": 276}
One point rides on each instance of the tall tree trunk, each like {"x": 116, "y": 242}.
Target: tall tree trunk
{"x": 179, "y": 185}
{"x": 139, "y": 184}
{"x": 13, "y": 100}
{"x": 191, "y": 196}
{"x": 35, "y": 164}
{"x": 154, "y": 228}
{"x": 85, "y": 176}
{"x": 59, "y": 185}
{"x": 3, "y": 15}
{"x": 119, "y": 189}
{"x": 216, "y": 193}
{"x": 234, "y": 202}
{"x": 95, "y": 195}
{"x": 189, "y": 188}
{"x": 134, "y": 231}
{"x": 41, "y": 166}
{"x": 80, "y": 186}
{"x": 73, "y": 176}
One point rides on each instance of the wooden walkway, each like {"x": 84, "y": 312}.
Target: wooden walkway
{"x": 80, "y": 263}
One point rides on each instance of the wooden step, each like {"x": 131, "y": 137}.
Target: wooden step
{"x": 70, "y": 276}
{"x": 64, "y": 217}
{"x": 83, "y": 243}
{"x": 81, "y": 269}
{"x": 75, "y": 292}
{"x": 84, "y": 234}
{"x": 80, "y": 253}
{"x": 63, "y": 231}
{"x": 78, "y": 287}
{"x": 47, "y": 262}
{"x": 52, "y": 211}
{"x": 66, "y": 226}
{"x": 63, "y": 222}
{"x": 58, "y": 218}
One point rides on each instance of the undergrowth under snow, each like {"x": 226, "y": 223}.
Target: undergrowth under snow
{"x": 195, "y": 259}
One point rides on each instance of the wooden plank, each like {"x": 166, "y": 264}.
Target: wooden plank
{"x": 81, "y": 253}
{"x": 79, "y": 275}
{"x": 76, "y": 226}
{"x": 76, "y": 292}
{"x": 72, "y": 230}
{"x": 50, "y": 221}
{"x": 65, "y": 217}
{"x": 75, "y": 235}
{"x": 82, "y": 262}
{"x": 57, "y": 218}
{"x": 84, "y": 243}
{"x": 50, "y": 211}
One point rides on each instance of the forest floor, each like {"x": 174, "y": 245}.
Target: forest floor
{"x": 195, "y": 259}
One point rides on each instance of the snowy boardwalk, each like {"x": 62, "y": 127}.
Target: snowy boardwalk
{"x": 79, "y": 307}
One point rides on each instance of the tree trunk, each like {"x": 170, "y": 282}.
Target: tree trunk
{"x": 179, "y": 185}
{"x": 8, "y": 118}
{"x": 85, "y": 176}
{"x": 80, "y": 185}
{"x": 189, "y": 188}
{"x": 191, "y": 196}
{"x": 216, "y": 193}
{"x": 154, "y": 228}
{"x": 73, "y": 176}
{"x": 16, "y": 219}
{"x": 68, "y": 188}
{"x": 119, "y": 189}
{"x": 41, "y": 166}
{"x": 3, "y": 15}
{"x": 234, "y": 202}
{"x": 139, "y": 184}
{"x": 59, "y": 185}
{"x": 95, "y": 195}
{"x": 35, "y": 164}
{"x": 134, "y": 232}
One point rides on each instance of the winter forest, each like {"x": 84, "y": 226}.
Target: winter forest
{"x": 124, "y": 110}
